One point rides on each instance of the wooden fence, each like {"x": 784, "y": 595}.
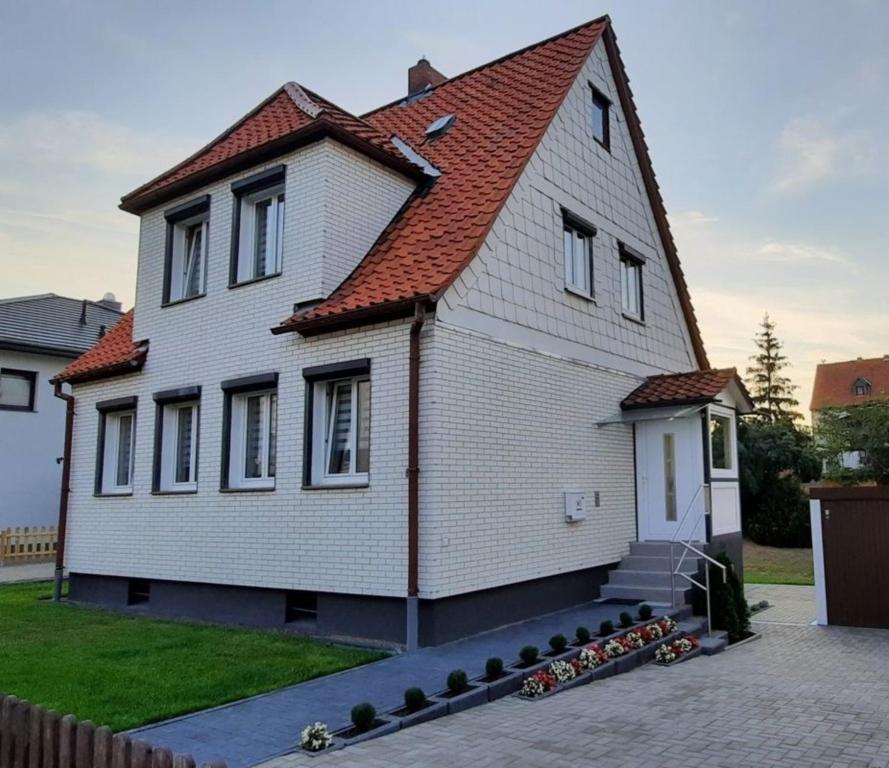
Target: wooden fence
{"x": 19, "y": 545}
{"x": 32, "y": 737}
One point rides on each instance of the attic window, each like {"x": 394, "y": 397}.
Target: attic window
{"x": 601, "y": 109}
{"x": 861, "y": 387}
{"x": 439, "y": 126}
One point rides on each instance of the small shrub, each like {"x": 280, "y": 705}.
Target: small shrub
{"x": 363, "y": 717}
{"x": 494, "y": 668}
{"x": 529, "y": 654}
{"x": 414, "y": 699}
{"x": 457, "y": 681}
{"x": 626, "y": 619}
{"x": 583, "y": 635}
{"x": 728, "y": 606}
{"x": 606, "y": 628}
{"x": 558, "y": 643}
{"x": 645, "y": 611}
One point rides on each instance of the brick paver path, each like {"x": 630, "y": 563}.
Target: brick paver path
{"x": 800, "y": 696}
{"x": 790, "y": 604}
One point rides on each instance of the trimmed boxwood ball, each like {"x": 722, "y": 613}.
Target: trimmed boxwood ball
{"x": 363, "y": 716}
{"x": 606, "y": 628}
{"x": 558, "y": 643}
{"x": 582, "y": 634}
{"x": 645, "y": 611}
{"x": 494, "y": 668}
{"x": 529, "y": 654}
{"x": 414, "y": 699}
{"x": 458, "y": 681}
{"x": 626, "y": 619}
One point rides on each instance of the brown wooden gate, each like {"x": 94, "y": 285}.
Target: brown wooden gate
{"x": 855, "y": 535}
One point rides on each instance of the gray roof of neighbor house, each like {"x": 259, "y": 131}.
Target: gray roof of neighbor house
{"x": 50, "y": 324}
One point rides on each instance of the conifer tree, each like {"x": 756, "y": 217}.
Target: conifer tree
{"x": 772, "y": 392}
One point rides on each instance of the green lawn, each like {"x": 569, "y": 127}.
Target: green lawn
{"x": 777, "y": 565}
{"x": 125, "y": 671}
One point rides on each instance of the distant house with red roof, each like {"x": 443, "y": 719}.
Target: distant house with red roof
{"x": 846, "y": 385}
{"x": 409, "y": 375}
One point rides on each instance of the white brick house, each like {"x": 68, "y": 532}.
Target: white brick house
{"x": 462, "y": 288}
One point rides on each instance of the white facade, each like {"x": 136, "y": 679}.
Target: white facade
{"x": 30, "y": 443}
{"x": 516, "y": 374}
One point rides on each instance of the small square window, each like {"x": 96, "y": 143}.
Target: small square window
{"x": 258, "y": 232}
{"x": 188, "y": 232}
{"x": 631, "y": 285}
{"x": 117, "y": 446}
{"x": 577, "y": 250}
{"x": 601, "y": 108}
{"x": 338, "y": 434}
{"x": 176, "y": 446}
{"x": 17, "y": 389}
{"x": 138, "y": 591}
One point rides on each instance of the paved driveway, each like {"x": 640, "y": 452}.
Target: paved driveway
{"x": 800, "y": 696}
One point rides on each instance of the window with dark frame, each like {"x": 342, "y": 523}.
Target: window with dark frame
{"x": 250, "y": 433}
{"x": 18, "y": 389}
{"x": 631, "y": 287}
{"x": 176, "y": 433}
{"x": 257, "y": 227}
{"x": 601, "y": 118}
{"x": 116, "y": 447}
{"x": 577, "y": 248}
{"x": 338, "y": 424}
{"x": 862, "y": 387}
{"x": 185, "y": 260}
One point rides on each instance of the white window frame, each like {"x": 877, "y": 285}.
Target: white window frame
{"x": 111, "y": 445}
{"x": 238, "y": 440}
{"x": 170, "y": 447}
{"x": 730, "y": 472}
{"x": 628, "y": 263}
{"x": 180, "y": 264}
{"x": 322, "y": 425}
{"x": 246, "y": 264}
{"x": 581, "y": 284}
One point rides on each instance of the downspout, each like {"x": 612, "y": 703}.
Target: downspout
{"x": 66, "y": 490}
{"x": 412, "y": 631}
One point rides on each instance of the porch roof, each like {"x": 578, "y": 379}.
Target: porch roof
{"x": 692, "y": 388}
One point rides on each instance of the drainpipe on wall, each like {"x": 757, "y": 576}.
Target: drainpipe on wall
{"x": 66, "y": 489}
{"x": 412, "y": 630}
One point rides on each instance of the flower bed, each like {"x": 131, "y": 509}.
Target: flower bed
{"x": 681, "y": 648}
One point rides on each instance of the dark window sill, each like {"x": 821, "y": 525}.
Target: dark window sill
{"x": 335, "y": 487}
{"x": 633, "y": 318}
{"x": 247, "y": 490}
{"x": 19, "y": 408}
{"x": 253, "y": 280}
{"x": 174, "y": 493}
{"x": 606, "y": 146}
{"x": 580, "y": 294}
{"x": 187, "y": 299}
{"x": 112, "y": 495}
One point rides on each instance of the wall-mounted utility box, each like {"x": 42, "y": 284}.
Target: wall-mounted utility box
{"x": 575, "y": 506}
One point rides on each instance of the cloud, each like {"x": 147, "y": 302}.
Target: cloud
{"x": 85, "y": 139}
{"x": 799, "y": 252}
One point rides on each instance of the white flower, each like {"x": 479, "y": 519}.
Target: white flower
{"x": 563, "y": 671}
{"x": 613, "y": 648}
{"x": 635, "y": 639}
{"x": 315, "y": 737}
{"x": 664, "y": 654}
{"x": 589, "y": 658}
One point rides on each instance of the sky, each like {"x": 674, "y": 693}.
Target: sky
{"x": 768, "y": 125}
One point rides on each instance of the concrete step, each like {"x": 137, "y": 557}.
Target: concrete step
{"x": 644, "y": 578}
{"x": 714, "y": 644}
{"x": 658, "y": 563}
{"x": 658, "y": 548}
{"x": 645, "y": 594}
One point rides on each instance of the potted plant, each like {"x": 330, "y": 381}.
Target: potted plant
{"x": 366, "y": 725}
{"x": 461, "y": 694}
{"x": 626, "y": 619}
{"x": 606, "y": 628}
{"x": 558, "y": 644}
{"x": 645, "y": 612}
{"x": 582, "y": 636}
{"x": 418, "y": 708}
{"x": 529, "y": 661}
{"x": 499, "y": 681}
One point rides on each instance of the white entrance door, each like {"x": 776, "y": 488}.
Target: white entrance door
{"x": 670, "y": 474}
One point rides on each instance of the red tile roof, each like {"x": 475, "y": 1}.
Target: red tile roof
{"x": 502, "y": 110}
{"x": 835, "y": 382}
{"x": 113, "y": 354}
{"x": 289, "y": 115}
{"x": 682, "y": 388}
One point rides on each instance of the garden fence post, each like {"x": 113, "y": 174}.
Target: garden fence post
{"x": 102, "y": 747}
{"x": 35, "y": 743}
{"x": 7, "y": 732}
{"x": 50, "y": 739}
{"x": 20, "y": 734}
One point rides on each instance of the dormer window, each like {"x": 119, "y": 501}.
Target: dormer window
{"x": 861, "y": 388}
{"x": 185, "y": 263}
{"x": 258, "y": 231}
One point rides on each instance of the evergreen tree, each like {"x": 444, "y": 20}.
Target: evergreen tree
{"x": 771, "y": 391}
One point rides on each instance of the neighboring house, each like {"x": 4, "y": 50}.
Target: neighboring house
{"x": 846, "y": 385}
{"x": 405, "y": 376}
{"x": 39, "y": 335}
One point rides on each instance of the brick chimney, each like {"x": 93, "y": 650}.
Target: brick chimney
{"x": 422, "y": 74}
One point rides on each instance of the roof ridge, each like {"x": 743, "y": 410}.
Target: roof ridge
{"x": 878, "y": 359}
{"x": 302, "y": 100}
{"x": 33, "y": 297}
{"x": 604, "y": 19}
